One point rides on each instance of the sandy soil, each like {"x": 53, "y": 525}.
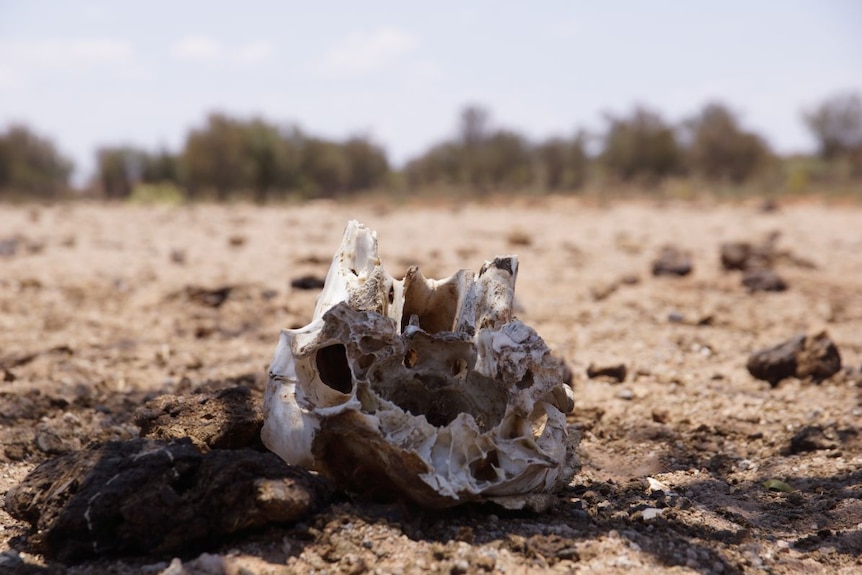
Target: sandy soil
{"x": 95, "y": 318}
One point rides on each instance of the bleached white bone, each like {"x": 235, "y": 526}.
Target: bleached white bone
{"x": 430, "y": 388}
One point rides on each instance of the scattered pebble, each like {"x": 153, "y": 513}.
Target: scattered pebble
{"x": 672, "y": 261}
{"x": 616, "y": 372}
{"x": 308, "y": 282}
{"x": 763, "y": 280}
{"x": 802, "y": 356}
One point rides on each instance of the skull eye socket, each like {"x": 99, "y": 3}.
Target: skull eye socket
{"x": 334, "y": 369}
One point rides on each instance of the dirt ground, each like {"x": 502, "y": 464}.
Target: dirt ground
{"x": 97, "y": 315}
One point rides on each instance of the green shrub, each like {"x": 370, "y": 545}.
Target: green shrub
{"x": 165, "y": 193}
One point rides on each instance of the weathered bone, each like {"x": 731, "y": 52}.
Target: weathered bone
{"x": 428, "y": 388}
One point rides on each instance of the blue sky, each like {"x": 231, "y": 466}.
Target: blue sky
{"x": 86, "y": 72}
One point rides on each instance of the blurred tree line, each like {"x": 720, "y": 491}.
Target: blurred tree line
{"x": 31, "y": 166}
{"x": 640, "y": 147}
{"x": 228, "y": 157}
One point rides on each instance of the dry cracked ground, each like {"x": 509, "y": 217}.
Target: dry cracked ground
{"x": 114, "y": 319}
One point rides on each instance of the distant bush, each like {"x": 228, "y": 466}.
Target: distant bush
{"x": 31, "y": 166}
{"x": 562, "y": 163}
{"x": 121, "y": 168}
{"x": 640, "y": 147}
{"x": 480, "y": 157}
{"x": 367, "y": 163}
{"x": 837, "y": 125}
{"x": 719, "y": 149}
{"x": 230, "y": 155}
{"x": 215, "y": 158}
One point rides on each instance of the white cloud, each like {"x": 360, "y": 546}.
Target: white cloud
{"x": 363, "y": 53}
{"x": 209, "y": 50}
{"x": 254, "y": 53}
{"x": 197, "y": 49}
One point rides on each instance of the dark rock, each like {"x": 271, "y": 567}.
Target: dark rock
{"x": 735, "y": 255}
{"x": 307, "y": 282}
{"x": 147, "y": 496}
{"x": 747, "y": 256}
{"x": 237, "y": 241}
{"x": 661, "y": 415}
{"x": 9, "y": 246}
{"x": 813, "y": 438}
{"x": 614, "y": 372}
{"x": 763, "y": 280}
{"x": 227, "y": 419}
{"x": 778, "y": 362}
{"x": 11, "y": 562}
{"x": 673, "y": 262}
{"x": 208, "y": 297}
{"x": 819, "y": 358}
{"x": 769, "y": 205}
{"x": 802, "y": 356}
{"x": 702, "y": 321}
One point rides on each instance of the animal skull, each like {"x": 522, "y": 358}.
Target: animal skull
{"x": 427, "y": 388}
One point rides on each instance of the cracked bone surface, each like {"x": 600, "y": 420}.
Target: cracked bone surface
{"x": 430, "y": 389}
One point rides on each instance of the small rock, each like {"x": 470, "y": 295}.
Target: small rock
{"x": 660, "y": 415}
{"x": 675, "y": 317}
{"x": 769, "y": 205}
{"x": 819, "y": 358}
{"x": 673, "y": 262}
{"x": 802, "y": 356}
{"x": 208, "y": 297}
{"x": 746, "y": 256}
{"x": 237, "y": 240}
{"x": 9, "y": 246}
{"x": 735, "y": 255}
{"x": 519, "y": 237}
{"x": 10, "y": 559}
{"x": 813, "y": 438}
{"x": 614, "y": 372}
{"x": 307, "y": 282}
{"x": 763, "y": 279}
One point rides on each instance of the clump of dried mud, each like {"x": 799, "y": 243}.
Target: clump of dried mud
{"x": 691, "y": 465}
